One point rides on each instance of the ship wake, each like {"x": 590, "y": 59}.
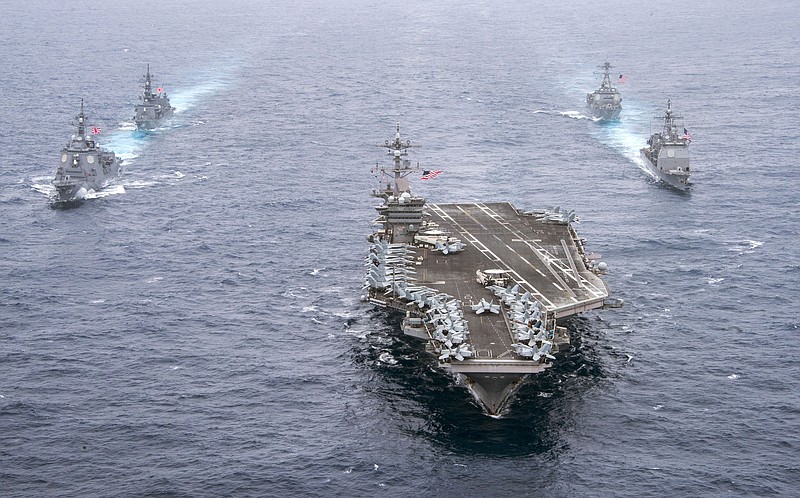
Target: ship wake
{"x": 128, "y": 142}
{"x": 627, "y": 135}
{"x": 578, "y": 115}
{"x": 213, "y": 82}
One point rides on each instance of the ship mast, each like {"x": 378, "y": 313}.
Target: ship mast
{"x": 670, "y": 130}
{"x": 147, "y": 92}
{"x": 401, "y": 212}
{"x": 398, "y": 149}
{"x": 81, "y": 122}
{"x": 606, "y": 76}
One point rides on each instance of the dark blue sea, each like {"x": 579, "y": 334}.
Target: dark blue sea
{"x": 195, "y": 329}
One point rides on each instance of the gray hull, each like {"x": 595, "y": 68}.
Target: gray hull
{"x": 679, "y": 180}
{"x": 71, "y": 188}
{"x": 152, "y": 124}
{"x": 606, "y": 114}
{"x": 494, "y": 392}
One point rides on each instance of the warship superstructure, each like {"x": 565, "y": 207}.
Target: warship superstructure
{"x": 667, "y": 151}
{"x": 153, "y": 108}
{"x": 483, "y": 284}
{"x": 83, "y": 164}
{"x": 606, "y": 101}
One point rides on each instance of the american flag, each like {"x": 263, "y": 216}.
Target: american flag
{"x": 686, "y": 135}
{"x": 622, "y": 78}
{"x": 96, "y": 130}
{"x": 429, "y": 175}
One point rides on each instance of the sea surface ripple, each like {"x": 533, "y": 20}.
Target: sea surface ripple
{"x": 196, "y": 330}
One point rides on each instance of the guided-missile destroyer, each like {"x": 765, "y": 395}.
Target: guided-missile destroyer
{"x": 483, "y": 284}
{"x": 606, "y": 101}
{"x": 83, "y": 165}
{"x": 153, "y": 108}
{"x": 667, "y": 152}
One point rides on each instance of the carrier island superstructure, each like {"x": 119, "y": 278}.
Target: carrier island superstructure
{"x": 484, "y": 284}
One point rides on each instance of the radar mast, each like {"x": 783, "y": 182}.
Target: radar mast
{"x": 397, "y": 183}
{"x": 81, "y": 122}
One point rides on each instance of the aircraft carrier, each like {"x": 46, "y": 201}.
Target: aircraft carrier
{"x": 485, "y": 285}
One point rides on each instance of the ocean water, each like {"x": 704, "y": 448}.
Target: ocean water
{"x": 195, "y": 329}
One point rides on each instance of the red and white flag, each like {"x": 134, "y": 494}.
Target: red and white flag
{"x": 96, "y": 130}
{"x": 429, "y": 175}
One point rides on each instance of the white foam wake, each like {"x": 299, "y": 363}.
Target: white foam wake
{"x": 627, "y": 135}
{"x": 567, "y": 114}
{"x": 127, "y": 142}
{"x": 112, "y": 190}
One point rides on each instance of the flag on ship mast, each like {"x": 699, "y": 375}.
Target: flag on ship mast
{"x": 430, "y": 175}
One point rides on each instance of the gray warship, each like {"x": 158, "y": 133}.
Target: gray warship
{"x": 83, "y": 165}
{"x": 667, "y": 152}
{"x": 484, "y": 285}
{"x": 153, "y": 108}
{"x": 606, "y": 101}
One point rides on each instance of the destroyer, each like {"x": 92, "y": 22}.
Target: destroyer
{"x": 606, "y": 101}
{"x": 153, "y": 108}
{"x": 483, "y": 284}
{"x": 84, "y": 165}
{"x": 667, "y": 152}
